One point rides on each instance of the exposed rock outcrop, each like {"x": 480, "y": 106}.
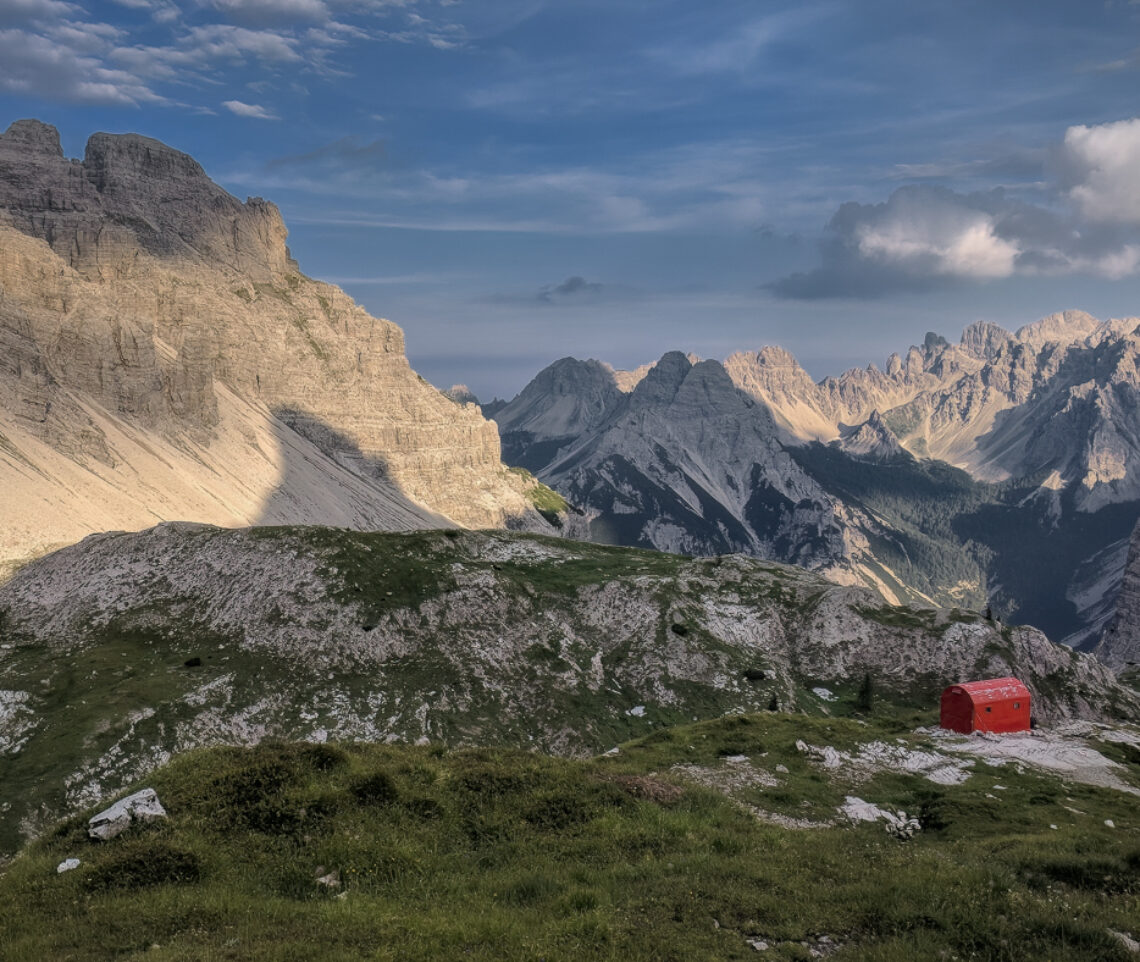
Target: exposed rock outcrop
{"x": 161, "y": 356}
{"x": 126, "y": 648}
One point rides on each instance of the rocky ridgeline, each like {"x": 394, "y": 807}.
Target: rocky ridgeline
{"x": 708, "y": 457}
{"x": 161, "y": 356}
{"x": 127, "y": 648}
{"x": 1058, "y": 395}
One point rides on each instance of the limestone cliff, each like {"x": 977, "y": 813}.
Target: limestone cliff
{"x": 162, "y": 356}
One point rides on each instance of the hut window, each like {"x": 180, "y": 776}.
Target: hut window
{"x": 989, "y": 708}
{"x": 1017, "y": 704}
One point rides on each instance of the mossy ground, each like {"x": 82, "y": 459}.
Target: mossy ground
{"x": 481, "y": 854}
{"x": 547, "y": 502}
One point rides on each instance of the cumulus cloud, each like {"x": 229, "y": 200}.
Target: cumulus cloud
{"x": 1106, "y": 160}
{"x": 255, "y": 111}
{"x": 925, "y": 236}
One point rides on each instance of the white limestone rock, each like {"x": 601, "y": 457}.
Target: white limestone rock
{"x": 142, "y": 806}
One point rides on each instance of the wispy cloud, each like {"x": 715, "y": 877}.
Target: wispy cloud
{"x": 255, "y": 111}
{"x": 61, "y": 66}
{"x": 713, "y": 186}
{"x": 740, "y": 45}
{"x": 53, "y": 49}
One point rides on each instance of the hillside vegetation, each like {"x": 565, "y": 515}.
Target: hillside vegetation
{"x": 123, "y": 650}
{"x": 648, "y": 853}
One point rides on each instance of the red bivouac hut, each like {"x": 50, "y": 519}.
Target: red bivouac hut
{"x": 993, "y": 705}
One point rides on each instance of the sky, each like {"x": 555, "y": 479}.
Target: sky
{"x": 514, "y": 181}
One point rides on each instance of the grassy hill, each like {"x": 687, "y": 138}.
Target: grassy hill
{"x": 124, "y": 650}
{"x": 665, "y": 850}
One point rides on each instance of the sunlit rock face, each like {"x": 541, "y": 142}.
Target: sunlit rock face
{"x": 1059, "y": 395}
{"x": 851, "y": 475}
{"x": 162, "y": 357}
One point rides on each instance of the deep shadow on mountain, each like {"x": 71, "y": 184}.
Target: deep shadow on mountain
{"x": 945, "y": 526}
{"x": 326, "y": 479}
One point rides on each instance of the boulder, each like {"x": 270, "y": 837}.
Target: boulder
{"x": 142, "y": 806}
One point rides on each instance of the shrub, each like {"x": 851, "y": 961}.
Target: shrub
{"x": 375, "y": 789}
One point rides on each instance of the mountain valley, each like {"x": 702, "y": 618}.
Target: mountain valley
{"x": 391, "y": 696}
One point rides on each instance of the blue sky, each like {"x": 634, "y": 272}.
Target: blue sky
{"x": 513, "y": 181}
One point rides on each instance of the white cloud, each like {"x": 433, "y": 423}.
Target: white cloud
{"x": 273, "y": 11}
{"x": 220, "y": 41}
{"x": 921, "y": 235}
{"x": 24, "y": 11}
{"x": 957, "y": 246}
{"x": 39, "y": 65}
{"x": 248, "y": 110}
{"x": 1107, "y": 159}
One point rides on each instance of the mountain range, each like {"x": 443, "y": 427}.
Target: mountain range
{"x": 1000, "y": 471}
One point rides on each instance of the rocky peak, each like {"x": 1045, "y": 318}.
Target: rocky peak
{"x": 564, "y": 398}
{"x": 661, "y": 383}
{"x": 116, "y": 162}
{"x": 984, "y": 340}
{"x": 934, "y": 344}
{"x": 132, "y": 193}
{"x": 872, "y": 440}
{"x": 1065, "y": 327}
{"x": 707, "y": 391}
{"x": 32, "y": 137}
{"x": 461, "y": 394}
